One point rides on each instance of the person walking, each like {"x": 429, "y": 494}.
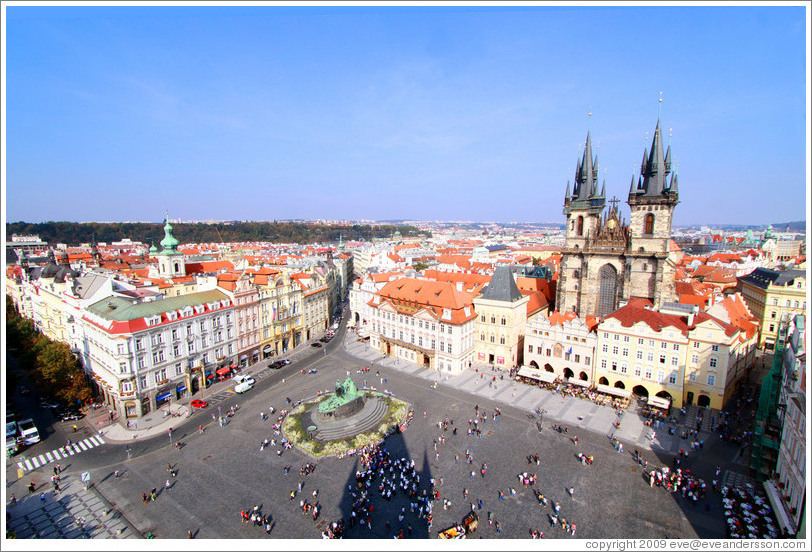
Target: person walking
{"x": 200, "y": 429}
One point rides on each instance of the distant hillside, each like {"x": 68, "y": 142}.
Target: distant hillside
{"x": 797, "y": 226}
{"x": 73, "y": 233}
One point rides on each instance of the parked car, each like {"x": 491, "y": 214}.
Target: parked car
{"x": 197, "y": 403}
{"x": 67, "y": 414}
{"x": 44, "y": 403}
{"x": 315, "y": 344}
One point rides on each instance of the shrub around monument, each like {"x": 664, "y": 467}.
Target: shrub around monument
{"x": 396, "y": 414}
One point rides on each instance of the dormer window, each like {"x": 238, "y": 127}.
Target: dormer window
{"x": 446, "y": 314}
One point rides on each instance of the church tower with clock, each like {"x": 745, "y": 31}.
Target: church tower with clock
{"x": 605, "y": 261}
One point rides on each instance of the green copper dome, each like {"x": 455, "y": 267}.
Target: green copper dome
{"x": 169, "y": 243}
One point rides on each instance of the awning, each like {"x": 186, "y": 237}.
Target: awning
{"x": 180, "y": 389}
{"x": 778, "y": 506}
{"x": 659, "y": 402}
{"x": 209, "y": 376}
{"x": 579, "y": 382}
{"x": 162, "y": 396}
{"x": 623, "y": 393}
{"x": 242, "y": 357}
{"x": 529, "y": 372}
{"x": 267, "y": 349}
{"x": 223, "y": 371}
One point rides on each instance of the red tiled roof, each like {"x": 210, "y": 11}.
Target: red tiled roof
{"x": 410, "y": 294}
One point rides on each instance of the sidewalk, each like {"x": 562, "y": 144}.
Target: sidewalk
{"x": 576, "y": 414}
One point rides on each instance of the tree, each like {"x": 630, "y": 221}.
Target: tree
{"x": 420, "y": 266}
{"x": 61, "y": 373}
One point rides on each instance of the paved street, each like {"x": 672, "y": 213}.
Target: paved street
{"x": 223, "y": 470}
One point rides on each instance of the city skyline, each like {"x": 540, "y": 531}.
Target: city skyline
{"x": 398, "y": 113}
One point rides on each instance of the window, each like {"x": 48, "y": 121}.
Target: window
{"x": 605, "y": 348}
{"x": 674, "y": 361}
{"x": 538, "y": 350}
{"x": 711, "y": 379}
{"x": 614, "y": 350}
{"x": 625, "y": 338}
{"x": 504, "y": 321}
{"x": 577, "y": 358}
{"x": 623, "y": 368}
{"x": 641, "y": 341}
{"x": 775, "y": 302}
{"x": 603, "y": 364}
{"x": 639, "y": 355}
{"x": 449, "y": 348}
{"x": 637, "y": 371}
{"x": 648, "y": 373}
{"x": 433, "y": 344}
{"x": 625, "y": 352}
{"x": 614, "y": 366}
{"x": 713, "y": 363}
{"x": 127, "y": 386}
{"x": 663, "y": 345}
{"x": 587, "y": 360}
{"x": 676, "y": 346}
{"x": 617, "y": 337}
{"x": 662, "y": 359}
{"x": 191, "y": 346}
{"x": 122, "y": 348}
{"x": 158, "y": 356}
{"x": 442, "y": 346}
{"x": 696, "y": 344}
{"x": 772, "y": 327}
{"x": 650, "y": 357}
{"x": 142, "y": 382}
{"x": 160, "y": 375}
{"x": 502, "y": 342}
{"x": 139, "y": 346}
{"x": 178, "y": 369}
{"x": 772, "y": 314}
{"x": 648, "y": 224}
{"x": 493, "y": 319}
{"x": 549, "y": 352}
{"x": 419, "y": 341}
{"x": 660, "y": 376}
{"x": 715, "y": 348}
{"x": 141, "y": 363}
{"x": 122, "y": 367}
{"x": 651, "y": 343}
{"x": 482, "y": 318}
{"x": 672, "y": 378}
{"x": 694, "y": 359}
{"x": 692, "y": 376}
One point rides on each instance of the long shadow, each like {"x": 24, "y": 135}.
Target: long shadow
{"x": 386, "y": 511}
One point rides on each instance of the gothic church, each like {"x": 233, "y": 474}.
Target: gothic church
{"x": 605, "y": 261}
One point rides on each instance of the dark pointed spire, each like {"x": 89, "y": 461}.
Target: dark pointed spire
{"x": 654, "y": 172}
{"x": 632, "y": 189}
{"x": 603, "y": 189}
{"x": 567, "y": 195}
{"x": 585, "y": 176}
{"x": 668, "y": 160}
{"x": 674, "y": 188}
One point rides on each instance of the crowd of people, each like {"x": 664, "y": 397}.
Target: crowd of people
{"x": 748, "y": 513}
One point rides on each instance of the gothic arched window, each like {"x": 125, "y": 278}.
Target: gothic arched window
{"x": 580, "y": 226}
{"x": 649, "y": 224}
{"x": 607, "y": 289}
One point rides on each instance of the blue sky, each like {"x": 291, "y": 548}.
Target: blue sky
{"x": 450, "y": 113}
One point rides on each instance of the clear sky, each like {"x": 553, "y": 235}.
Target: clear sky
{"x": 382, "y": 112}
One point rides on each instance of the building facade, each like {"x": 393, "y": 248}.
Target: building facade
{"x": 502, "y": 316}
{"x": 145, "y": 354}
{"x": 561, "y": 344}
{"x": 424, "y": 322}
{"x": 772, "y": 295}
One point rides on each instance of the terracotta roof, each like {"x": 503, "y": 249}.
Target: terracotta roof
{"x": 673, "y": 246}
{"x": 409, "y": 295}
{"x": 557, "y": 318}
{"x": 208, "y": 266}
{"x": 537, "y": 301}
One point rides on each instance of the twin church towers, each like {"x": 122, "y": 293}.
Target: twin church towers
{"x": 605, "y": 261}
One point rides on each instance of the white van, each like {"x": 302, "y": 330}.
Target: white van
{"x": 28, "y": 431}
{"x": 243, "y": 386}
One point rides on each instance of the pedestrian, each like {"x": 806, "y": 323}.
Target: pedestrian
{"x": 571, "y": 491}
{"x": 167, "y": 485}
{"x": 115, "y": 474}
{"x": 144, "y": 497}
{"x": 575, "y": 440}
{"x": 200, "y": 429}
{"x": 31, "y": 487}
{"x": 189, "y": 534}
{"x": 13, "y": 500}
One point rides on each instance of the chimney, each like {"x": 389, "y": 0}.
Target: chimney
{"x": 459, "y": 286}
{"x": 691, "y": 315}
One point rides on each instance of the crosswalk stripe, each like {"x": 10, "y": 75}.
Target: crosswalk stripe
{"x": 81, "y": 445}
{"x": 57, "y": 456}
{"x": 28, "y": 465}
{"x": 70, "y": 451}
{"x": 48, "y": 456}
{"x": 34, "y": 462}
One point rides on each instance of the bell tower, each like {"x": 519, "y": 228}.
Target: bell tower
{"x": 583, "y": 208}
{"x": 170, "y": 260}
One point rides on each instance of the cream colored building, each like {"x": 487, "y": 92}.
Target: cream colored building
{"x": 500, "y": 325}
{"x": 561, "y": 344}
{"x": 771, "y": 295}
{"x": 676, "y": 353}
